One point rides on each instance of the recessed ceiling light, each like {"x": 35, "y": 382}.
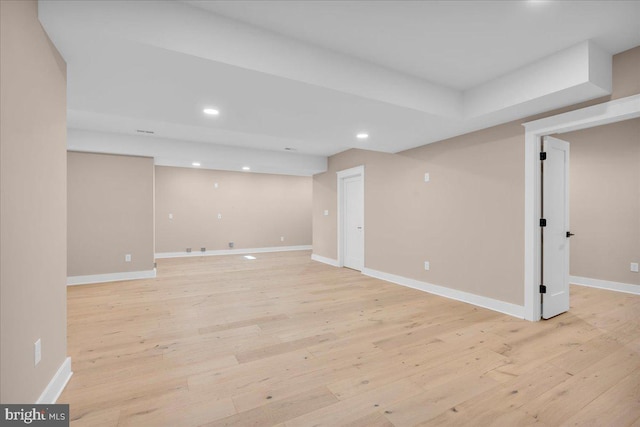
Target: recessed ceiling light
{"x": 362, "y": 135}
{"x": 196, "y": 164}
{"x": 211, "y": 111}
{"x": 246, "y": 168}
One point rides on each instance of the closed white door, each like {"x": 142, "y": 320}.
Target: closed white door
{"x": 353, "y": 223}
{"x": 556, "y": 232}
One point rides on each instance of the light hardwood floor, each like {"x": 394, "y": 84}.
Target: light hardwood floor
{"x": 282, "y": 340}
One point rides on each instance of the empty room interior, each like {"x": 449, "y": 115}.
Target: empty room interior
{"x": 321, "y": 213}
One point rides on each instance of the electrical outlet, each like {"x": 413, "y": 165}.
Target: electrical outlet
{"x": 426, "y": 177}
{"x": 634, "y": 267}
{"x": 219, "y": 216}
{"x": 326, "y": 212}
{"x": 282, "y": 238}
{"x": 37, "y": 352}
{"x": 170, "y": 216}
{"x": 188, "y": 250}
{"x": 426, "y": 265}
{"x": 127, "y": 258}
{"x": 203, "y": 249}
{"x": 231, "y": 245}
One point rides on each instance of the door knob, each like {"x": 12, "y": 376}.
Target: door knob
{"x": 569, "y": 234}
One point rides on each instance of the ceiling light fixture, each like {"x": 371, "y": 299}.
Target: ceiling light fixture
{"x": 211, "y": 111}
{"x": 246, "y": 168}
{"x": 196, "y": 164}
{"x": 362, "y": 135}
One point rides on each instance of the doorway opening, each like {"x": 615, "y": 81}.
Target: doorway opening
{"x": 596, "y": 115}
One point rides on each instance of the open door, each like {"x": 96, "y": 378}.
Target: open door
{"x": 555, "y": 227}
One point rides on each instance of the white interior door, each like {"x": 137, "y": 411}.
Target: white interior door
{"x": 353, "y": 226}
{"x": 555, "y": 235}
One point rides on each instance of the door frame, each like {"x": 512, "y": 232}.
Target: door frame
{"x": 342, "y": 175}
{"x": 597, "y": 115}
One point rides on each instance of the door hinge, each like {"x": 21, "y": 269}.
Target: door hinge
{"x": 543, "y": 222}
{"x": 543, "y": 155}
{"x": 543, "y": 289}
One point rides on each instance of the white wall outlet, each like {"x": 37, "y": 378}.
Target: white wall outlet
{"x": 326, "y": 212}
{"x": 426, "y": 177}
{"x": 37, "y": 352}
{"x": 127, "y": 258}
{"x": 170, "y": 216}
{"x": 215, "y": 185}
{"x": 282, "y": 238}
{"x": 426, "y": 265}
{"x": 219, "y": 216}
{"x": 634, "y": 267}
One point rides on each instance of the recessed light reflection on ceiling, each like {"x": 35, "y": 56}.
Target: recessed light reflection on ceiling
{"x": 211, "y": 111}
{"x": 196, "y": 164}
{"x": 362, "y": 135}
{"x": 246, "y": 168}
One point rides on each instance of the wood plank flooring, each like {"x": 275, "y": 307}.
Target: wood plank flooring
{"x": 283, "y": 340}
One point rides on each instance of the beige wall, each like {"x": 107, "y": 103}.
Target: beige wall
{"x": 110, "y": 201}
{"x": 467, "y": 222}
{"x": 257, "y": 210}
{"x": 32, "y": 204}
{"x": 605, "y": 201}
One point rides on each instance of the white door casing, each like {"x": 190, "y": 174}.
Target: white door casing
{"x": 555, "y": 238}
{"x": 351, "y": 218}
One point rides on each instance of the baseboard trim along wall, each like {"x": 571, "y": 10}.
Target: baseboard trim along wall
{"x": 110, "y": 277}
{"x": 233, "y": 251}
{"x": 605, "y": 284}
{"x": 490, "y": 303}
{"x": 324, "y": 260}
{"x": 57, "y": 384}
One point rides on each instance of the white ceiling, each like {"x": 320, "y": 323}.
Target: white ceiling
{"x": 458, "y": 44}
{"x": 310, "y": 75}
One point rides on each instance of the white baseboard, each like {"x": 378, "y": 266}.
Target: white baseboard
{"x": 110, "y": 277}
{"x": 233, "y": 251}
{"x": 485, "y": 302}
{"x": 605, "y": 284}
{"x": 59, "y": 381}
{"x": 324, "y": 260}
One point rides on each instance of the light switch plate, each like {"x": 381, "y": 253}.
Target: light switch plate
{"x": 426, "y": 177}
{"x": 37, "y": 351}
{"x": 634, "y": 267}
